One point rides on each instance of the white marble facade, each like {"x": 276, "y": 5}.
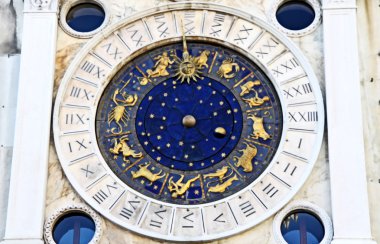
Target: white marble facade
{"x": 317, "y": 187}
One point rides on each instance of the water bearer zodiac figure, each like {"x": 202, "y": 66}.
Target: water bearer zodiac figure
{"x": 118, "y": 113}
{"x": 161, "y": 65}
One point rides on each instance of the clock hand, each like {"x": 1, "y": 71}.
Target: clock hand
{"x": 185, "y": 53}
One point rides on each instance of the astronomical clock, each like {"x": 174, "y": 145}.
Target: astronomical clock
{"x": 188, "y": 122}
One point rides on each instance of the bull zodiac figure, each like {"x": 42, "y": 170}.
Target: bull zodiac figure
{"x": 223, "y": 186}
{"x": 227, "y": 67}
{"x": 258, "y": 127}
{"x": 125, "y": 149}
{"x": 118, "y": 113}
{"x": 146, "y": 173}
{"x": 201, "y": 60}
{"x": 178, "y": 188}
{"x": 245, "y": 160}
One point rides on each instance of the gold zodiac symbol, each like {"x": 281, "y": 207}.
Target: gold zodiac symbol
{"x": 178, "y": 187}
{"x": 258, "y": 127}
{"x": 256, "y": 100}
{"x": 245, "y": 160}
{"x": 227, "y": 67}
{"x": 146, "y": 173}
{"x": 248, "y": 86}
{"x": 143, "y": 80}
{"x": 119, "y": 113}
{"x": 223, "y": 186}
{"x": 220, "y": 173}
{"x": 162, "y": 63}
{"x": 124, "y": 148}
{"x": 201, "y": 60}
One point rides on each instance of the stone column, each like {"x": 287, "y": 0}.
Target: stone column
{"x": 349, "y": 198}
{"x": 26, "y": 204}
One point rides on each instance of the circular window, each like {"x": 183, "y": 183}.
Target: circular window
{"x": 82, "y": 18}
{"x": 85, "y": 17}
{"x": 296, "y": 17}
{"x": 302, "y": 227}
{"x": 73, "y": 224}
{"x": 302, "y": 222}
{"x": 74, "y": 227}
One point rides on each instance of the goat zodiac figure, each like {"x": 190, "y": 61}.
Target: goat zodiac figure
{"x": 124, "y": 148}
{"x": 118, "y": 113}
{"x": 146, "y": 173}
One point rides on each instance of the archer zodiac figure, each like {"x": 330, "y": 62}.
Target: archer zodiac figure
{"x": 201, "y": 60}
{"x": 146, "y": 173}
{"x": 245, "y": 160}
{"x": 223, "y": 186}
{"x": 247, "y": 87}
{"x": 256, "y": 100}
{"x": 161, "y": 65}
{"x": 118, "y": 113}
{"x": 226, "y": 70}
{"x": 258, "y": 127}
{"x": 178, "y": 188}
{"x": 124, "y": 148}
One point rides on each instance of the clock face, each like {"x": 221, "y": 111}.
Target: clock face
{"x": 188, "y": 123}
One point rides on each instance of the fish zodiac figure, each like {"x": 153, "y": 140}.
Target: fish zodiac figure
{"x": 118, "y": 113}
{"x": 178, "y": 188}
{"x": 220, "y": 173}
{"x": 258, "y": 127}
{"x": 201, "y": 60}
{"x": 247, "y": 87}
{"x": 245, "y": 160}
{"x": 223, "y": 186}
{"x": 124, "y": 148}
{"x": 161, "y": 65}
{"x": 227, "y": 67}
{"x": 256, "y": 100}
{"x": 146, "y": 173}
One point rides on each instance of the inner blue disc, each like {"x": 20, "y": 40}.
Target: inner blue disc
{"x": 164, "y": 136}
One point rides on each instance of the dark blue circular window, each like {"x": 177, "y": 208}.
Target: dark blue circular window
{"x": 85, "y": 17}
{"x": 295, "y": 15}
{"x": 302, "y": 227}
{"x": 78, "y": 228}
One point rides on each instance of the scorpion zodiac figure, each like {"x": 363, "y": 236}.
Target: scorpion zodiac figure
{"x": 118, "y": 113}
{"x": 124, "y": 148}
{"x": 180, "y": 188}
{"x": 227, "y": 67}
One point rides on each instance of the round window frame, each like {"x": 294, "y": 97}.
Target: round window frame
{"x": 313, "y": 209}
{"x": 75, "y": 208}
{"x": 296, "y": 33}
{"x": 66, "y": 7}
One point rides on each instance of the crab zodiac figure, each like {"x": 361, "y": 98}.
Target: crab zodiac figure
{"x": 161, "y": 65}
{"x": 178, "y": 188}
{"x": 226, "y": 70}
{"x": 118, "y": 113}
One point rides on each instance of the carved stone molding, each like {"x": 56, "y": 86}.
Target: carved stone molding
{"x": 40, "y": 6}
{"x": 338, "y": 4}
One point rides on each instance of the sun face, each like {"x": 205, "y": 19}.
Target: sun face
{"x": 188, "y": 70}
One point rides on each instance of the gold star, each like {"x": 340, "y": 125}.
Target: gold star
{"x": 215, "y": 114}
{"x": 145, "y": 143}
{"x": 191, "y": 164}
{"x": 192, "y": 146}
{"x": 163, "y": 104}
{"x": 150, "y": 98}
{"x": 159, "y": 137}
{"x": 164, "y": 118}
{"x": 221, "y": 103}
{"x": 186, "y": 156}
{"x": 223, "y": 155}
{"x": 228, "y": 111}
{"x": 142, "y": 182}
{"x": 180, "y": 143}
{"x": 140, "y": 123}
{"x": 199, "y": 88}
{"x": 196, "y": 192}
{"x": 165, "y": 94}
{"x": 151, "y": 116}
{"x": 155, "y": 187}
{"x": 158, "y": 158}
{"x": 168, "y": 145}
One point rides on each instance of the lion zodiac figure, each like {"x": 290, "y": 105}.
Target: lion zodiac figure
{"x": 245, "y": 160}
{"x": 201, "y": 60}
{"x": 124, "y": 148}
{"x": 226, "y": 70}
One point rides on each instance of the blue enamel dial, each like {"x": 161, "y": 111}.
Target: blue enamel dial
{"x": 189, "y": 125}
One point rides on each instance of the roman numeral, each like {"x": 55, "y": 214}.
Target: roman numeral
{"x": 100, "y": 196}
{"x": 220, "y": 219}
{"x": 284, "y": 67}
{"x": 303, "y": 116}
{"x": 80, "y": 93}
{"x": 113, "y": 51}
{"x": 266, "y": 48}
{"x": 161, "y": 27}
{"x": 189, "y": 220}
{"x": 247, "y": 208}
{"x": 126, "y": 212}
{"x": 136, "y": 37}
{"x": 87, "y": 170}
{"x": 79, "y": 145}
{"x": 217, "y": 23}
{"x": 243, "y": 34}
{"x": 270, "y": 190}
{"x": 299, "y": 90}
{"x": 72, "y": 119}
{"x": 92, "y": 69}
{"x": 289, "y": 169}
{"x": 188, "y": 22}
{"x": 157, "y": 223}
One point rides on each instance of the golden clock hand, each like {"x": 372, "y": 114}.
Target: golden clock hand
{"x": 185, "y": 53}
